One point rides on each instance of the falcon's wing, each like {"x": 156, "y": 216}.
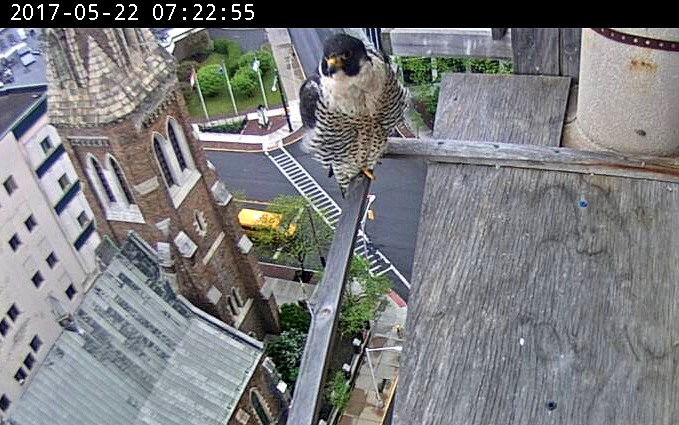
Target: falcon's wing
{"x": 309, "y": 94}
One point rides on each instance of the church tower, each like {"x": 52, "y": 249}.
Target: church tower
{"x": 115, "y": 100}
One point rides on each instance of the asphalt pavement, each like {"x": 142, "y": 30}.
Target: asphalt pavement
{"x": 398, "y": 187}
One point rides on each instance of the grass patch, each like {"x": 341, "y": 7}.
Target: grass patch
{"x": 220, "y": 105}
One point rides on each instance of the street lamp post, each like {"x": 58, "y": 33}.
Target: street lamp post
{"x": 372, "y": 370}
{"x": 285, "y": 103}
{"x": 255, "y": 67}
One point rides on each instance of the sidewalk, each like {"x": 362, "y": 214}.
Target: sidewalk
{"x": 253, "y": 138}
{"x": 362, "y": 408}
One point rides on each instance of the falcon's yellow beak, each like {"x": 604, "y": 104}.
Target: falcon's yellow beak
{"x": 334, "y": 63}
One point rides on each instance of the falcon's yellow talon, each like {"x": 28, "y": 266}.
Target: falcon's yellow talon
{"x": 368, "y": 173}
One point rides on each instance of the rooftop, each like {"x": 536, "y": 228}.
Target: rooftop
{"x": 15, "y": 102}
{"x": 142, "y": 356}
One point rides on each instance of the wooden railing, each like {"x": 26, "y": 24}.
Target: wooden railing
{"x": 325, "y": 305}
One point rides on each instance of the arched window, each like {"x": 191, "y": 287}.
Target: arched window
{"x": 162, "y": 162}
{"x": 260, "y": 408}
{"x": 103, "y": 182}
{"x": 120, "y": 179}
{"x": 176, "y": 148}
{"x": 179, "y": 145}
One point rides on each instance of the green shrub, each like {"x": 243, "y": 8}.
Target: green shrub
{"x": 286, "y": 353}
{"x": 221, "y": 45}
{"x": 232, "y": 127}
{"x": 244, "y": 83}
{"x": 266, "y": 61}
{"x": 211, "y": 79}
{"x": 294, "y": 317}
{"x": 416, "y": 71}
{"x": 338, "y": 391}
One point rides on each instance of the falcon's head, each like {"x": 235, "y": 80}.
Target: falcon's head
{"x": 344, "y": 53}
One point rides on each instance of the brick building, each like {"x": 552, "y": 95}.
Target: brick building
{"x": 114, "y": 98}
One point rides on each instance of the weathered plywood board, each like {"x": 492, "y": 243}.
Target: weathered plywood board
{"x": 533, "y": 286}
{"x": 536, "y": 50}
{"x": 524, "y": 109}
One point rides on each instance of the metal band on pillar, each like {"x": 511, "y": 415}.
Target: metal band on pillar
{"x": 636, "y": 40}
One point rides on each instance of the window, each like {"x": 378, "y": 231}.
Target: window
{"x": 175, "y": 146}
{"x": 10, "y": 185}
{"x": 30, "y": 223}
{"x": 121, "y": 180}
{"x": 70, "y": 292}
{"x": 102, "y": 180}
{"x": 29, "y": 361}
{"x": 52, "y": 260}
{"x": 83, "y": 219}
{"x": 64, "y": 182}
{"x": 260, "y": 409}
{"x": 21, "y": 375}
{"x": 14, "y": 242}
{"x": 4, "y": 327}
{"x": 4, "y": 403}
{"x": 36, "y": 343}
{"x": 37, "y": 279}
{"x": 13, "y": 312}
{"x": 46, "y": 144}
{"x": 162, "y": 162}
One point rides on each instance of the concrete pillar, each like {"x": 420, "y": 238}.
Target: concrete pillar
{"x": 628, "y": 99}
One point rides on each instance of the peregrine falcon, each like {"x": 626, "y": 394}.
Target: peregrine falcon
{"x": 350, "y": 108}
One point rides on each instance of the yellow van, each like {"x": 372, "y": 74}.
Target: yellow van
{"x": 251, "y": 219}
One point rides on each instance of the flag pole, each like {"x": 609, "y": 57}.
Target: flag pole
{"x": 200, "y": 94}
{"x": 228, "y": 85}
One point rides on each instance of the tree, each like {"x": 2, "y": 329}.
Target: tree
{"x": 359, "y": 309}
{"x": 294, "y": 317}
{"x": 311, "y": 237}
{"x": 243, "y": 84}
{"x": 266, "y": 62}
{"x": 184, "y": 70}
{"x": 286, "y": 353}
{"x": 211, "y": 80}
{"x": 198, "y": 44}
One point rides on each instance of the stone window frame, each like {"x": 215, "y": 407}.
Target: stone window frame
{"x": 183, "y": 179}
{"x": 110, "y": 194}
{"x": 120, "y": 181}
{"x": 99, "y": 181}
{"x": 199, "y": 222}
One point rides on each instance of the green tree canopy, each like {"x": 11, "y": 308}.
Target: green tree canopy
{"x": 211, "y": 79}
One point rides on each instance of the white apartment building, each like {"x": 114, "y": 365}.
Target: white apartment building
{"x": 47, "y": 237}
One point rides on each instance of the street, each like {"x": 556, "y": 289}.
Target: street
{"x": 398, "y": 186}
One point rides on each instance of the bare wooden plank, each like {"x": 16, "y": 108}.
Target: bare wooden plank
{"x": 437, "y": 42}
{"x": 526, "y": 109}
{"x": 537, "y": 157}
{"x": 535, "y": 50}
{"x": 542, "y": 297}
{"x": 569, "y": 42}
{"x": 498, "y": 33}
{"x": 325, "y": 304}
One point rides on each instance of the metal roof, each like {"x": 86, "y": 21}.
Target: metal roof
{"x": 143, "y": 356}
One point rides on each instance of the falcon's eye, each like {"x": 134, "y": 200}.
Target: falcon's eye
{"x": 346, "y": 55}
